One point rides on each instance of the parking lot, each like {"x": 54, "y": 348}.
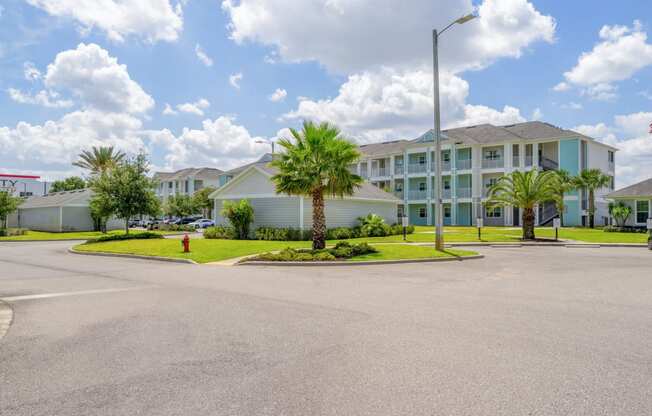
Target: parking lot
{"x": 524, "y": 331}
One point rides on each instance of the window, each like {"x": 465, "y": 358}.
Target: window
{"x": 422, "y": 160}
{"x": 642, "y": 211}
{"x": 492, "y": 155}
{"x": 422, "y": 212}
{"x": 169, "y": 185}
{"x": 446, "y": 156}
{"x": 491, "y": 182}
{"x": 612, "y": 183}
{"x": 447, "y": 211}
{"x": 493, "y": 212}
{"x": 422, "y": 186}
{"x": 400, "y": 211}
{"x": 398, "y": 187}
{"x": 447, "y": 183}
{"x": 611, "y": 156}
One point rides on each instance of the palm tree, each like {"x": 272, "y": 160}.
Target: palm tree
{"x": 565, "y": 184}
{"x": 524, "y": 190}
{"x": 591, "y": 180}
{"x": 316, "y": 163}
{"x": 100, "y": 159}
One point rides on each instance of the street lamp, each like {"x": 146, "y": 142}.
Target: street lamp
{"x": 267, "y": 142}
{"x": 439, "y": 216}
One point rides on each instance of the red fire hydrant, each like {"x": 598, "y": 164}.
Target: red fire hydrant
{"x": 186, "y": 244}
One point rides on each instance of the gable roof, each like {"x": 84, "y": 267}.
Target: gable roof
{"x": 197, "y": 173}
{"x": 365, "y": 191}
{"x": 641, "y": 189}
{"x": 59, "y": 199}
{"x": 264, "y": 159}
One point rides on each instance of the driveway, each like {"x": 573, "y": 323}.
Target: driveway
{"x": 525, "y": 331}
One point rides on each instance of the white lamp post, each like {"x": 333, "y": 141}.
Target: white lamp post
{"x": 439, "y": 216}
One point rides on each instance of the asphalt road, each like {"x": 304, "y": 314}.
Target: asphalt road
{"x": 525, "y": 331}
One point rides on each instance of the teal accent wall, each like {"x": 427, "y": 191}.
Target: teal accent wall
{"x": 572, "y": 216}
{"x": 414, "y": 215}
{"x": 464, "y": 213}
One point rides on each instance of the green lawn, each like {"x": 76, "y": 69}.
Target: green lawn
{"x": 201, "y": 251}
{"x": 84, "y": 235}
{"x": 405, "y": 252}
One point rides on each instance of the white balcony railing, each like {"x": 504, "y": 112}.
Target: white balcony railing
{"x": 528, "y": 161}
{"x": 516, "y": 161}
{"x": 375, "y": 172}
{"x": 445, "y": 165}
{"x": 399, "y": 194}
{"x": 463, "y": 192}
{"x": 398, "y": 170}
{"x": 464, "y": 164}
{"x": 417, "y": 168}
{"x": 493, "y": 163}
{"x": 446, "y": 193}
{"x": 415, "y": 195}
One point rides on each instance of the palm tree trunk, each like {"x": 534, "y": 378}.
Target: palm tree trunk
{"x": 560, "y": 209}
{"x": 591, "y": 208}
{"x": 318, "y": 220}
{"x": 528, "y": 224}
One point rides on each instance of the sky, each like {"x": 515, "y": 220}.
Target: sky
{"x": 210, "y": 83}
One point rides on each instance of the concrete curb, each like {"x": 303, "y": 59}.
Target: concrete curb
{"x": 560, "y": 244}
{"x": 6, "y": 318}
{"x": 44, "y": 241}
{"x": 132, "y": 256}
{"x": 354, "y": 263}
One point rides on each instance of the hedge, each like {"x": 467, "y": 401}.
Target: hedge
{"x": 12, "y": 232}
{"x": 343, "y": 250}
{"x": 340, "y": 233}
{"x": 221, "y": 232}
{"x": 627, "y": 229}
{"x": 120, "y": 237}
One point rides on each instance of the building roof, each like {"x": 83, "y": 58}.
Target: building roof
{"x": 641, "y": 189}
{"x": 183, "y": 174}
{"x": 59, "y": 199}
{"x": 264, "y": 159}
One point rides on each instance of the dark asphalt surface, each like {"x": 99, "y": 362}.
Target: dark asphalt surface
{"x": 525, "y": 331}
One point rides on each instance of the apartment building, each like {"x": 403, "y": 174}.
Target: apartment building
{"x": 473, "y": 158}
{"x": 186, "y": 181}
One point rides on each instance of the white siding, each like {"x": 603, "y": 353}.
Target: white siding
{"x": 255, "y": 183}
{"x": 40, "y": 219}
{"x": 599, "y": 159}
{"x": 269, "y": 212}
{"x": 345, "y": 212}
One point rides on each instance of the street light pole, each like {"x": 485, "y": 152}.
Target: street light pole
{"x": 439, "y": 208}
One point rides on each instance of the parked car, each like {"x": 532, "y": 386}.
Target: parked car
{"x": 135, "y": 223}
{"x": 202, "y": 223}
{"x": 188, "y": 220}
{"x": 152, "y": 223}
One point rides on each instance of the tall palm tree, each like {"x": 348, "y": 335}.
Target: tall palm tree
{"x": 591, "y": 180}
{"x": 316, "y": 163}
{"x": 565, "y": 184}
{"x": 99, "y": 160}
{"x": 524, "y": 190}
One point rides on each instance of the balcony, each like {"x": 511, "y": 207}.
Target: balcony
{"x": 445, "y": 165}
{"x": 464, "y": 164}
{"x": 463, "y": 192}
{"x": 548, "y": 164}
{"x": 417, "y": 168}
{"x": 398, "y": 170}
{"x": 446, "y": 194}
{"x": 398, "y": 194}
{"x": 417, "y": 195}
{"x": 493, "y": 163}
{"x": 528, "y": 161}
{"x": 382, "y": 172}
{"x": 516, "y": 162}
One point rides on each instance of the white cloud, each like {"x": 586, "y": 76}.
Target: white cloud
{"x": 168, "y": 111}
{"x": 152, "y": 20}
{"x": 202, "y": 56}
{"x": 562, "y": 86}
{"x": 235, "y": 79}
{"x": 278, "y": 95}
{"x": 197, "y": 107}
{"x": 2, "y": 9}
{"x": 44, "y": 98}
{"x": 94, "y": 76}
{"x": 621, "y": 52}
{"x": 537, "y": 114}
{"x": 30, "y": 72}
{"x": 572, "y": 106}
{"x": 505, "y": 29}
{"x": 220, "y": 142}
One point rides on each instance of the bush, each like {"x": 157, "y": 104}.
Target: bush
{"x": 240, "y": 214}
{"x": 281, "y": 234}
{"x": 626, "y": 229}
{"x": 342, "y": 233}
{"x": 222, "y": 232}
{"x": 12, "y": 232}
{"x": 120, "y": 237}
{"x": 176, "y": 227}
{"x": 373, "y": 225}
{"x": 343, "y": 250}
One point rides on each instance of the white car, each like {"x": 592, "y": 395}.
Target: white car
{"x": 202, "y": 223}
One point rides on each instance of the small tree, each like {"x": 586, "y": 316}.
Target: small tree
{"x": 565, "y": 184}
{"x": 8, "y": 204}
{"x": 201, "y": 201}
{"x": 592, "y": 180}
{"x": 68, "y": 184}
{"x": 620, "y": 212}
{"x": 240, "y": 214}
{"x": 179, "y": 206}
{"x": 125, "y": 191}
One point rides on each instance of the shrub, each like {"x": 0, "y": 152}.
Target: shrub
{"x": 240, "y": 214}
{"x": 281, "y": 234}
{"x": 222, "y": 232}
{"x": 343, "y": 250}
{"x": 176, "y": 227}
{"x": 324, "y": 256}
{"x": 373, "y": 225}
{"x": 120, "y": 237}
{"x": 342, "y": 233}
{"x": 627, "y": 229}
{"x": 12, "y": 232}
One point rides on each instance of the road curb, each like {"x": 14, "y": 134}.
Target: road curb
{"x": 132, "y": 256}
{"x": 6, "y": 318}
{"x": 560, "y": 244}
{"x": 354, "y": 263}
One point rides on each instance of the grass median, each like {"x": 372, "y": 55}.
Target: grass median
{"x": 82, "y": 235}
{"x": 410, "y": 252}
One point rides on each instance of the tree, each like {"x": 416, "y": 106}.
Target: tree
{"x": 99, "y": 160}
{"x": 315, "y": 164}
{"x": 125, "y": 191}
{"x": 68, "y": 184}
{"x": 524, "y": 190}
{"x": 565, "y": 184}
{"x": 591, "y": 180}
{"x": 179, "y": 206}
{"x": 620, "y": 212}
{"x": 240, "y": 215}
{"x": 201, "y": 201}
{"x": 8, "y": 204}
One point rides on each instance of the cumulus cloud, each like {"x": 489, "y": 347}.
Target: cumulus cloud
{"x": 151, "y": 20}
{"x": 278, "y": 95}
{"x": 97, "y": 79}
{"x": 197, "y": 107}
{"x": 169, "y": 111}
{"x": 30, "y": 72}
{"x": 537, "y": 114}
{"x": 235, "y": 79}
{"x": 202, "y": 56}
{"x": 621, "y": 52}
{"x": 44, "y": 98}
{"x": 629, "y": 133}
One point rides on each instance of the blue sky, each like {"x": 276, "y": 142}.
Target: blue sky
{"x": 75, "y": 75}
